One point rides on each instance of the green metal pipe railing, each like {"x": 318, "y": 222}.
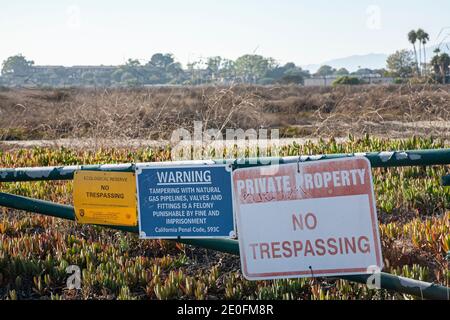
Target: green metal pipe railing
{"x": 387, "y": 281}
{"x": 377, "y": 160}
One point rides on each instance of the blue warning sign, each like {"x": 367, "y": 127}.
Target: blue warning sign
{"x": 185, "y": 202}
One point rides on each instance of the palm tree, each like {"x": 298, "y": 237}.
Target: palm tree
{"x": 412, "y": 37}
{"x": 419, "y": 34}
{"x": 423, "y": 38}
{"x": 441, "y": 63}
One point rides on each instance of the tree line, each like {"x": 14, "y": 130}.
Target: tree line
{"x": 162, "y": 69}
{"x": 159, "y": 69}
{"x": 414, "y": 63}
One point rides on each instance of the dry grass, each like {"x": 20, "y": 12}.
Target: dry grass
{"x": 152, "y": 113}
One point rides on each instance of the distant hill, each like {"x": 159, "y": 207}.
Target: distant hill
{"x": 353, "y": 63}
{"x": 371, "y": 60}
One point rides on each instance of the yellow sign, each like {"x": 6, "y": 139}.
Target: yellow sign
{"x": 105, "y": 197}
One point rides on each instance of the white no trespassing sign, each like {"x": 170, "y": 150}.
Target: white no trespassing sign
{"x": 307, "y": 219}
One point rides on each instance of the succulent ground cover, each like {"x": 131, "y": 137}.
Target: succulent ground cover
{"x": 413, "y": 210}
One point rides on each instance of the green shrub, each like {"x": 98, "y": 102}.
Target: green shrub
{"x": 346, "y": 80}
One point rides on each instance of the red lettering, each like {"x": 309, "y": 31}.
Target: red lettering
{"x": 333, "y": 246}
{"x": 309, "y": 248}
{"x": 297, "y": 247}
{"x": 317, "y": 247}
{"x": 254, "y": 245}
{"x": 287, "y": 251}
{"x": 297, "y": 222}
{"x": 311, "y": 221}
{"x": 351, "y": 245}
{"x": 320, "y": 245}
{"x": 364, "y": 247}
{"x": 264, "y": 248}
{"x": 275, "y": 249}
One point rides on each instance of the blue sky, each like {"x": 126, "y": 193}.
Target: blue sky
{"x": 305, "y": 32}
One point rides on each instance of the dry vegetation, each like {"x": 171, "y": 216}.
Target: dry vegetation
{"x": 413, "y": 207}
{"x": 152, "y": 113}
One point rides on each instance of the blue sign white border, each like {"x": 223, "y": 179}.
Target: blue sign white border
{"x": 166, "y": 165}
